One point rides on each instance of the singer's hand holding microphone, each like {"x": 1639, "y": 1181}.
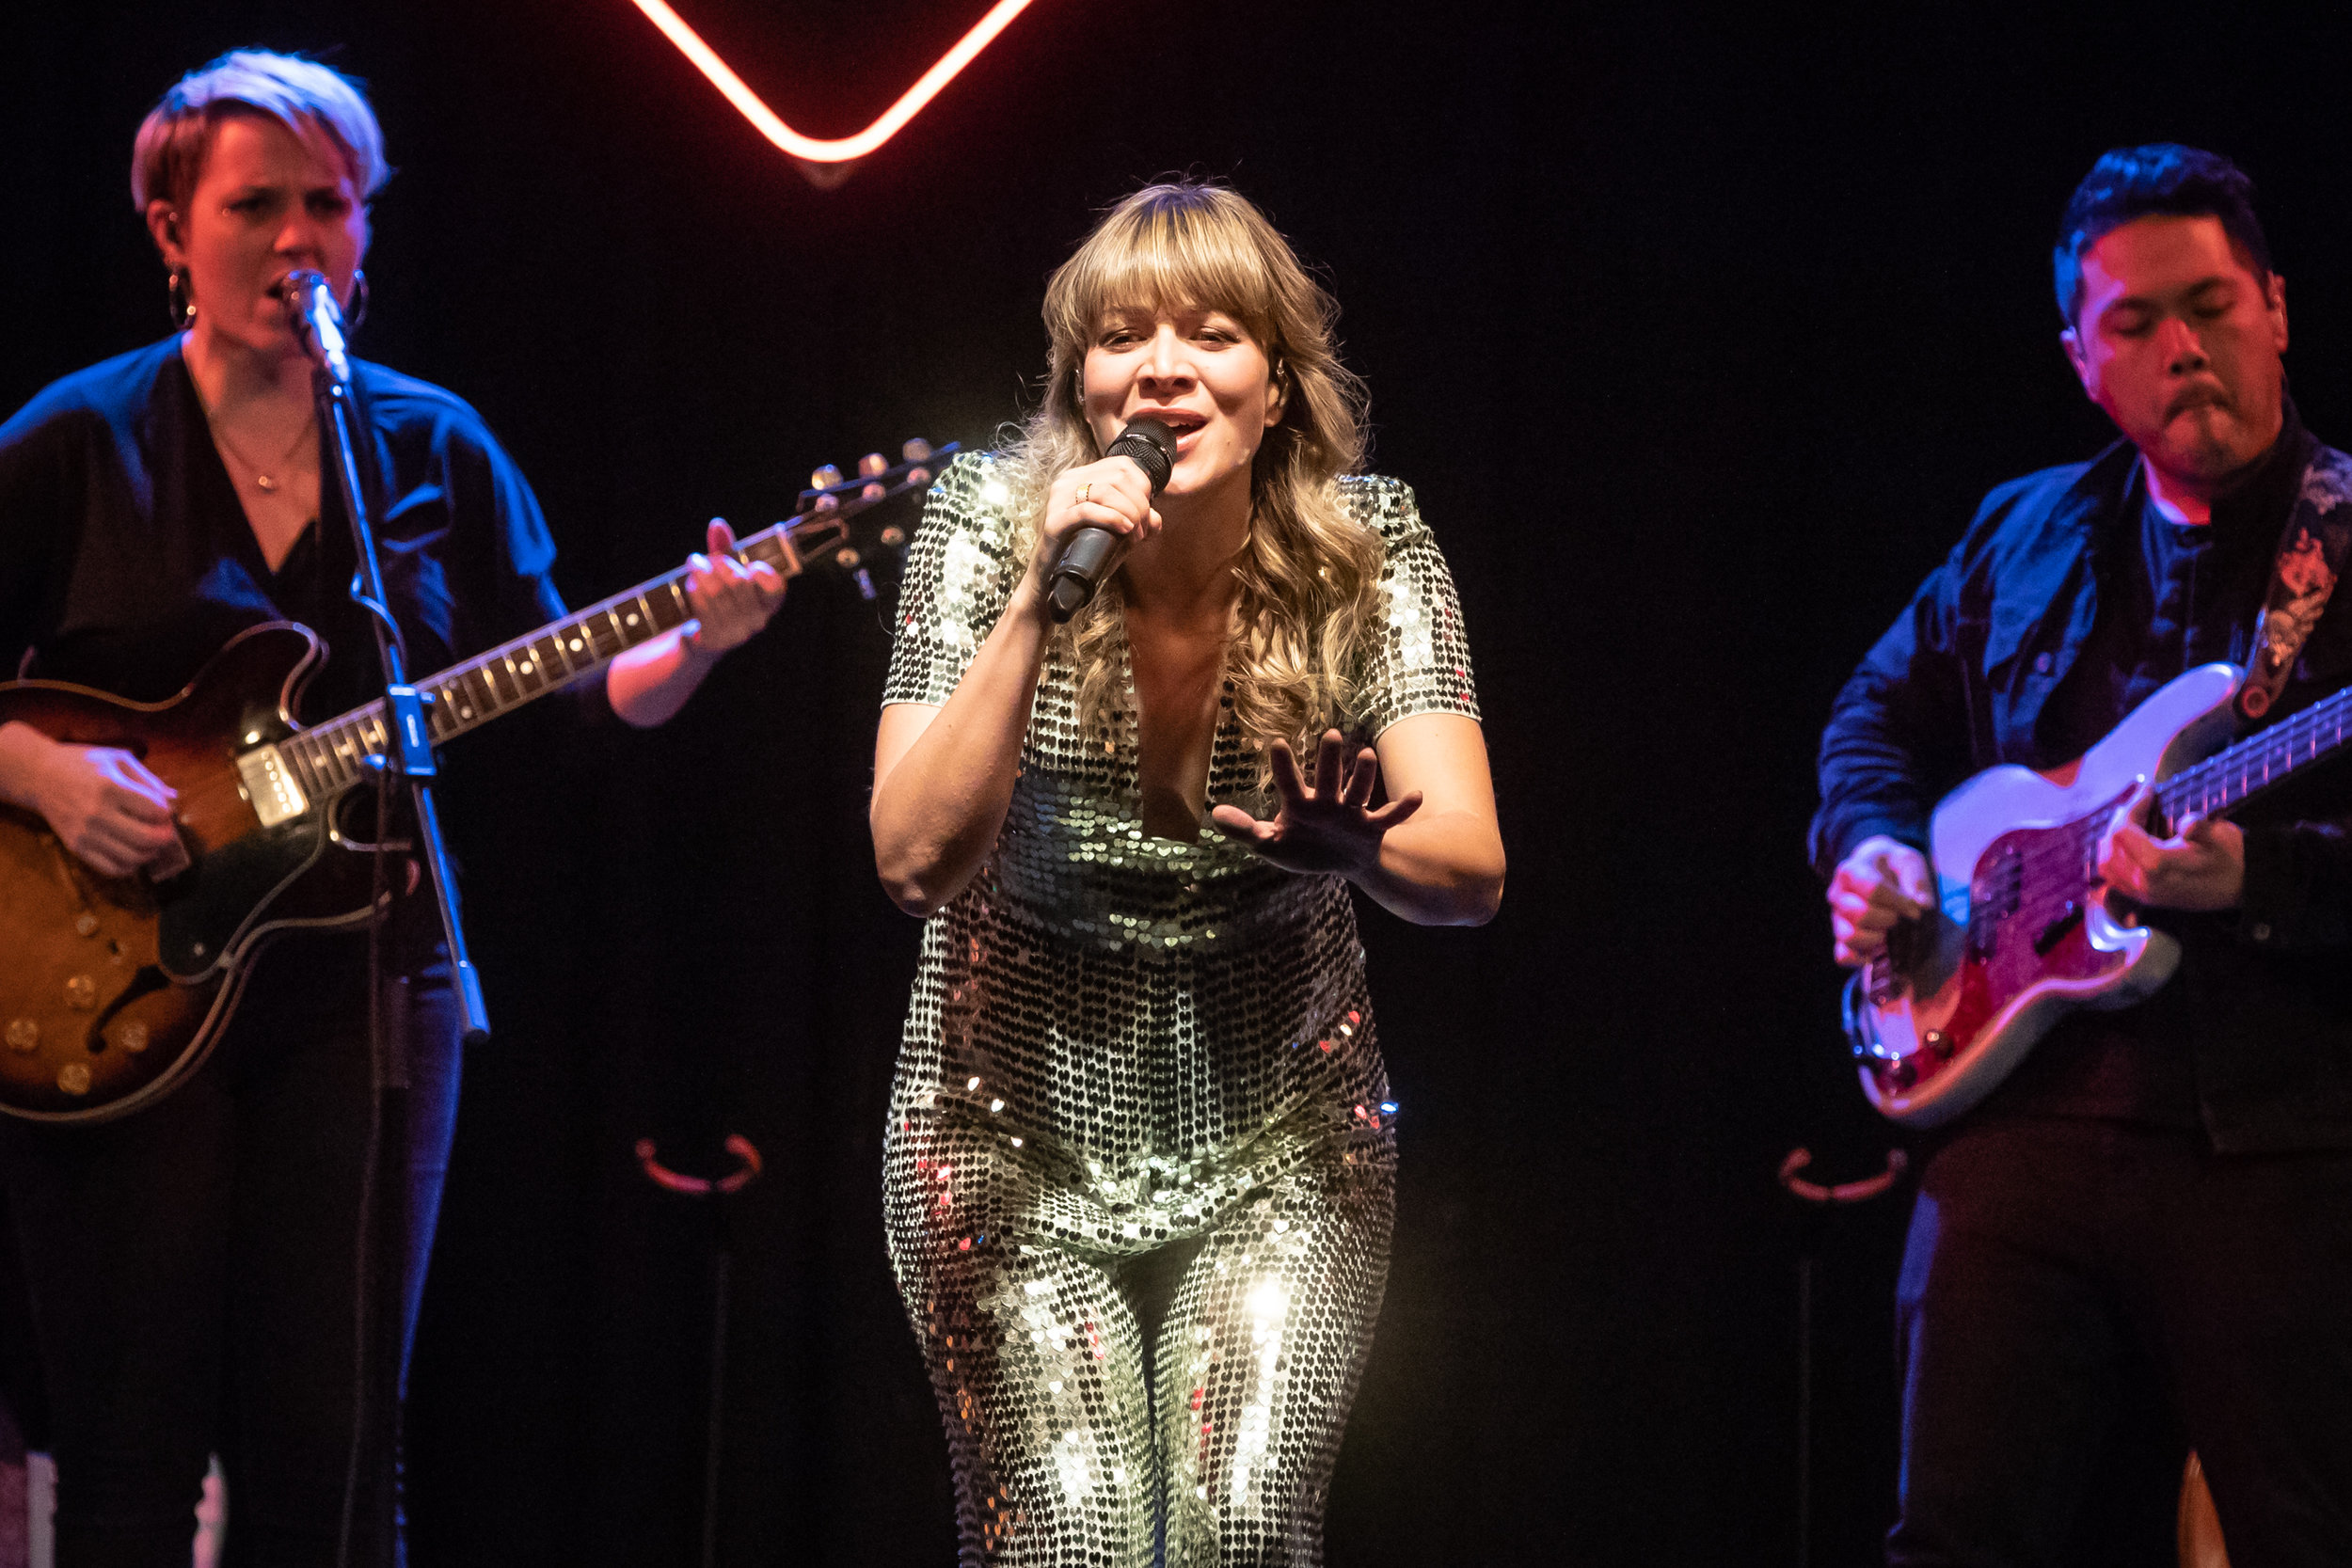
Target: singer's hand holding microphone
{"x": 1095, "y": 514}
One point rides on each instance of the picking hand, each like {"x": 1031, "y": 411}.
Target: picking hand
{"x": 731, "y": 601}
{"x": 1326, "y": 828}
{"x": 107, "y": 810}
{"x": 1879, "y": 883}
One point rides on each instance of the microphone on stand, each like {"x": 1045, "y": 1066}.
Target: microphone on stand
{"x": 1086, "y": 559}
{"x": 317, "y": 321}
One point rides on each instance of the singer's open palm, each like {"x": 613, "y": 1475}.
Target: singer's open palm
{"x": 1327, "y": 826}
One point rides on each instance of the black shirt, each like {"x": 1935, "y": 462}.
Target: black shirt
{"x": 126, "y": 559}
{"x": 2172, "y": 596}
{"x": 1979, "y": 669}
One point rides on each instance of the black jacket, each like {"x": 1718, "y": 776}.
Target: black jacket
{"x": 1961, "y": 682}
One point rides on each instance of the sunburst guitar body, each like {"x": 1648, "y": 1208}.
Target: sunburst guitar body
{"x": 114, "y": 989}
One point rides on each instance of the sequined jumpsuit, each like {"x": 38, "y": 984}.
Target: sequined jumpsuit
{"x": 1123, "y": 1049}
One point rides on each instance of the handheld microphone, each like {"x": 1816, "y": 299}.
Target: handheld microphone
{"x": 318, "y": 322}
{"x": 1086, "y": 559}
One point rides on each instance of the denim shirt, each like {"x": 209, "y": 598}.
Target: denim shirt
{"x": 1963, "y": 680}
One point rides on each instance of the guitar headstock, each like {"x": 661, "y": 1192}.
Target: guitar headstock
{"x": 823, "y": 531}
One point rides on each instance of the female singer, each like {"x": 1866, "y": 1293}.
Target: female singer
{"x": 191, "y": 1265}
{"x": 1140, "y": 1164}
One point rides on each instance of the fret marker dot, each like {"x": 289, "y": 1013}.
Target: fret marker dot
{"x": 575, "y": 645}
{"x": 632, "y": 619}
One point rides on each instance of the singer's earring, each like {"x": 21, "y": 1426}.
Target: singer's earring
{"x": 176, "y": 293}
{"x": 359, "y": 302}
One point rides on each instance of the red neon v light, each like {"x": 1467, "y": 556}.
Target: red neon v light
{"x": 810, "y": 148}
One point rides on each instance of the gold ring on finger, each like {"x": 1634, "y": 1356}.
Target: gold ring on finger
{"x": 1082, "y": 493}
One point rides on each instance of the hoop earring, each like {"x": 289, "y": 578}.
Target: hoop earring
{"x": 183, "y": 309}
{"x": 359, "y": 300}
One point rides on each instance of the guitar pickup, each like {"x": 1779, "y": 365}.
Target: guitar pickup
{"x": 270, "y": 785}
{"x": 2056, "y": 931}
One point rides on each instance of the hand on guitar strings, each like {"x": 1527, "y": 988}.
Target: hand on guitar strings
{"x": 731, "y": 601}
{"x": 1879, "y": 883}
{"x": 2201, "y": 866}
{"x": 108, "y": 810}
{"x": 1326, "y": 827}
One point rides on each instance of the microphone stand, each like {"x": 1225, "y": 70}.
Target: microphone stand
{"x": 371, "y": 1530}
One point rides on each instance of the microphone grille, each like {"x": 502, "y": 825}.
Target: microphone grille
{"x": 1151, "y": 447}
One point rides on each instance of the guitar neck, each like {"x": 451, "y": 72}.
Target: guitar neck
{"x": 332, "y": 756}
{"x": 2234, "y": 775}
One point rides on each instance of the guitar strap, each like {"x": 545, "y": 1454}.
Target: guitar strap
{"x": 2311, "y": 555}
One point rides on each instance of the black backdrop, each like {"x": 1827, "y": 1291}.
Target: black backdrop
{"x": 1698, "y": 336}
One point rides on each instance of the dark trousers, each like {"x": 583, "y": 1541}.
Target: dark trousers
{"x": 193, "y": 1268}
{"x": 2051, "y": 1262}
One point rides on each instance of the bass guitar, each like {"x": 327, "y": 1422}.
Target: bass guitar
{"x": 2023, "y": 932}
{"x": 114, "y": 989}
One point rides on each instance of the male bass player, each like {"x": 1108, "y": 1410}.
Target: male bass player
{"x": 2166, "y": 1190}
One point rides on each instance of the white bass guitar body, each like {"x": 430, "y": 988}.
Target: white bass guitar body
{"x": 2023, "y": 932}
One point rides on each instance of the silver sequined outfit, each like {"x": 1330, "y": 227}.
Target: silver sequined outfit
{"x": 1121, "y": 1045}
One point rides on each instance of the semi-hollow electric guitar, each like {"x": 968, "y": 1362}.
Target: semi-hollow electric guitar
{"x": 113, "y": 991}
{"x": 2023, "y": 932}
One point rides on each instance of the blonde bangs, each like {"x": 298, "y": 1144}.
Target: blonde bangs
{"x": 1309, "y": 574}
{"x": 1164, "y": 261}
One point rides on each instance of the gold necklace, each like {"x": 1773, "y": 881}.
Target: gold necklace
{"x": 267, "y": 483}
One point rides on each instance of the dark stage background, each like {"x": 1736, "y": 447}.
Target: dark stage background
{"x": 1699, "y": 339}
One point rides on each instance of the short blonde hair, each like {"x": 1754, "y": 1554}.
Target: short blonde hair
{"x": 307, "y": 98}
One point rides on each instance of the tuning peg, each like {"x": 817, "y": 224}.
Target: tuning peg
{"x": 873, "y": 463}
{"x": 916, "y": 450}
{"x": 824, "y": 478}
{"x": 917, "y": 477}
{"x": 893, "y": 536}
{"x": 873, "y": 493}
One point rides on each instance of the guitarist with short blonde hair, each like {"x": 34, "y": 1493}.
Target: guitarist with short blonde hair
{"x": 2160, "y": 1190}
{"x": 186, "y": 1262}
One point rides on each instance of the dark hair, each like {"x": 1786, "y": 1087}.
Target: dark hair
{"x": 2160, "y": 178}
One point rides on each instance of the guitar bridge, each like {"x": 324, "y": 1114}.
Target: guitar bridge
{"x": 270, "y": 786}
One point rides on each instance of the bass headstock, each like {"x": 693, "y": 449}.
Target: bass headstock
{"x": 824, "y": 530}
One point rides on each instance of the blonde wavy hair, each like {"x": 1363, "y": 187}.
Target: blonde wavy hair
{"x": 1309, "y": 573}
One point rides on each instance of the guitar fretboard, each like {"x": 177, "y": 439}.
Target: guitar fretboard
{"x": 2230, "y": 777}
{"x": 332, "y": 756}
